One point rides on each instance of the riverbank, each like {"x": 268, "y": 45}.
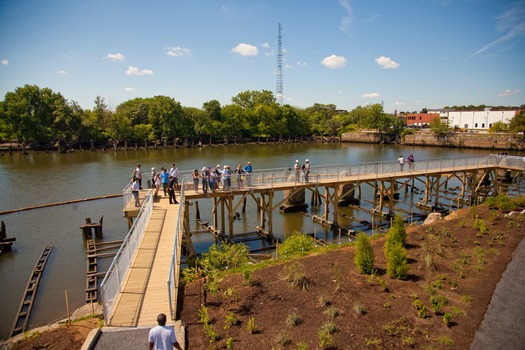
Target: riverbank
{"x": 496, "y": 142}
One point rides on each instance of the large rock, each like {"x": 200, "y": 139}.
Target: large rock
{"x": 432, "y": 217}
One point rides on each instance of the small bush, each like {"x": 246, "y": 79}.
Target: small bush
{"x": 323, "y": 301}
{"x": 325, "y": 338}
{"x": 231, "y": 320}
{"x": 283, "y": 339}
{"x": 364, "y": 256}
{"x": 447, "y": 319}
{"x": 203, "y": 315}
{"x": 252, "y": 328}
{"x": 359, "y": 309}
{"x": 294, "y": 274}
{"x": 294, "y": 319}
{"x": 332, "y": 312}
{"x": 329, "y": 327}
{"x": 397, "y": 262}
{"x": 296, "y": 244}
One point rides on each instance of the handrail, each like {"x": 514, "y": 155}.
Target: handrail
{"x": 173, "y": 275}
{"x": 112, "y": 283}
{"x": 272, "y": 177}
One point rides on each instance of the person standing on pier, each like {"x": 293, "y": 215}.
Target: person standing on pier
{"x": 205, "y": 175}
{"x": 297, "y": 168}
{"x": 306, "y": 170}
{"x": 226, "y": 174}
{"x": 174, "y": 173}
{"x": 401, "y": 161}
{"x": 410, "y": 161}
{"x": 248, "y": 170}
{"x": 135, "y": 186}
{"x": 240, "y": 175}
{"x": 138, "y": 175}
{"x": 165, "y": 179}
{"x": 171, "y": 191}
{"x": 195, "y": 176}
{"x": 162, "y": 337}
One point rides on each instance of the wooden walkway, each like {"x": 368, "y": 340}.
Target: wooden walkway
{"x": 145, "y": 291}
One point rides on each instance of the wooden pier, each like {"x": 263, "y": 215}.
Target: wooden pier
{"x": 26, "y": 305}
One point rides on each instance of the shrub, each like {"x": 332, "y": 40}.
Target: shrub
{"x": 447, "y": 318}
{"x": 294, "y": 319}
{"x": 364, "y": 256}
{"x": 397, "y": 262}
{"x": 329, "y": 327}
{"x": 231, "y": 320}
{"x": 203, "y": 315}
{"x": 297, "y": 243}
{"x": 294, "y": 274}
{"x": 252, "y": 328}
{"x": 325, "y": 338}
{"x": 396, "y": 234}
{"x": 332, "y": 312}
{"x": 218, "y": 257}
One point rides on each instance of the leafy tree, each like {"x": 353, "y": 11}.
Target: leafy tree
{"x": 29, "y": 114}
{"x": 119, "y": 128}
{"x": 364, "y": 256}
{"x": 439, "y": 127}
{"x": 395, "y": 235}
{"x": 517, "y": 123}
{"x": 499, "y": 127}
{"x": 250, "y": 99}
{"x": 167, "y": 118}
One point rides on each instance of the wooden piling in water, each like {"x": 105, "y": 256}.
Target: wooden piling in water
{"x": 26, "y": 305}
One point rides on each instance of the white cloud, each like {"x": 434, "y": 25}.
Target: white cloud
{"x": 386, "y": 62}
{"x": 177, "y": 51}
{"x": 509, "y": 92}
{"x": 61, "y": 72}
{"x": 302, "y": 64}
{"x": 130, "y": 89}
{"x": 116, "y": 57}
{"x": 347, "y": 20}
{"x": 334, "y": 62}
{"x": 5, "y": 62}
{"x": 245, "y": 50}
{"x": 398, "y": 103}
{"x": 135, "y": 71}
{"x": 370, "y": 95}
{"x": 266, "y": 45}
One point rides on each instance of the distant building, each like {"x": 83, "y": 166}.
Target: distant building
{"x": 472, "y": 119}
{"x": 420, "y": 119}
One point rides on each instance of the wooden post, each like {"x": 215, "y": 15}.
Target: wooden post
{"x": 67, "y": 309}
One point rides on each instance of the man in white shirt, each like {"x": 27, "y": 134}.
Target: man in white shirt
{"x": 174, "y": 173}
{"x": 162, "y": 337}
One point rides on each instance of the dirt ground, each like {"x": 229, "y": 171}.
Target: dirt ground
{"x": 455, "y": 263}
{"x": 363, "y": 312}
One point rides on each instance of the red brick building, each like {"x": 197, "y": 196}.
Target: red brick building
{"x": 420, "y": 119}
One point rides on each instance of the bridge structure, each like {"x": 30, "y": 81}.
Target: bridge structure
{"x": 143, "y": 279}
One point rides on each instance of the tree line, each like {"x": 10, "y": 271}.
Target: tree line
{"x": 39, "y": 117}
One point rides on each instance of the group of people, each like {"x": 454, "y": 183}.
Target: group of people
{"x": 169, "y": 179}
{"x": 409, "y": 161}
{"x": 302, "y": 171}
{"x": 213, "y": 179}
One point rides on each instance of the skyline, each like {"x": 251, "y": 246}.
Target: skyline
{"x": 408, "y": 55}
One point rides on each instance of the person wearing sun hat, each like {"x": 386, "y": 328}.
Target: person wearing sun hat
{"x": 297, "y": 168}
{"x": 306, "y": 170}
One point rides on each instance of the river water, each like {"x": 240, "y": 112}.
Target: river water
{"x": 40, "y": 178}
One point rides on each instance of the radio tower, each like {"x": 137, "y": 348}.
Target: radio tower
{"x": 279, "y": 89}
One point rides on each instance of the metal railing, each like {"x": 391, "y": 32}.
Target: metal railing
{"x": 272, "y": 177}
{"x": 112, "y": 283}
{"x": 174, "y": 273}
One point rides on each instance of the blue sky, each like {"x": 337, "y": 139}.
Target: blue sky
{"x": 406, "y": 54}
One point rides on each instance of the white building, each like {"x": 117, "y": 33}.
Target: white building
{"x": 480, "y": 120}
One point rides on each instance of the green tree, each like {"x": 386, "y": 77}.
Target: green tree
{"x": 439, "y": 127}
{"x": 364, "y": 256}
{"x": 499, "y": 127}
{"x": 396, "y": 235}
{"x": 517, "y": 123}
{"x": 29, "y": 114}
{"x": 397, "y": 262}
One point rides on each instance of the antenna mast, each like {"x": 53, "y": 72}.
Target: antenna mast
{"x": 279, "y": 89}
